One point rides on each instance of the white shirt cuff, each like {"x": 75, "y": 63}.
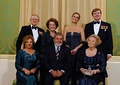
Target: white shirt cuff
{"x": 50, "y": 70}
{"x": 109, "y": 54}
{"x": 63, "y": 71}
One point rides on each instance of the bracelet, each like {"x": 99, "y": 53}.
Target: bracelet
{"x": 94, "y": 71}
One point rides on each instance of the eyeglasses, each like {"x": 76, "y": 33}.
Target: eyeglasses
{"x": 34, "y": 19}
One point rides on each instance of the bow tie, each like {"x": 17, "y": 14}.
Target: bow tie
{"x": 98, "y": 22}
{"x": 34, "y": 27}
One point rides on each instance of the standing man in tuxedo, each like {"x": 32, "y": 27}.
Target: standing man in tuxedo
{"x": 33, "y": 30}
{"x": 103, "y": 30}
{"x": 57, "y": 62}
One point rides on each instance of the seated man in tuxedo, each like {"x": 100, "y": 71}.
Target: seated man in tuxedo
{"x": 57, "y": 62}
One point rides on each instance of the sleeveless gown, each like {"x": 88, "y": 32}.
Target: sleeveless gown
{"x": 73, "y": 39}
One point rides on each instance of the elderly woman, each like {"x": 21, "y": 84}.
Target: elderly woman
{"x": 47, "y": 40}
{"x": 47, "y": 37}
{"x": 27, "y": 63}
{"x": 91, "y": 63}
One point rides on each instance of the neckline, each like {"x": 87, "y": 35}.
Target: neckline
{"x": 28, "y": 53}
{"x": 73, "y": 32}
{"x": 91, "y": 56}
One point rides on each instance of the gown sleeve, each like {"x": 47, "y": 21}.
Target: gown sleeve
{"x": 80, "y": 60}
{"x": 102, "y": 64}
{"x": 18, "y": 63}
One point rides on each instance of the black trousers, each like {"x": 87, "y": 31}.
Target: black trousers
{"x": 49, "y": 79}
{"x": 41, "y": 81}
{"x": 74, "y": 72}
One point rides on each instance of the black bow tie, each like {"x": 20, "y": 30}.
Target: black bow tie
{"x": 34, "y": 27}
{"x": 98, "y": 22}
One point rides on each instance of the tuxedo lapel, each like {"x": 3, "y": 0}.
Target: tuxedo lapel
{"x": 53, "y": 50}
{"x": 30, "y": 30}
{"x": 92, "y": 28}
{"x": 40, "y": 32}
{"x": 100, "y": 30}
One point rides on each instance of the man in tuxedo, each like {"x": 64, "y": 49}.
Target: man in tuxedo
{"x": 57, "y": 62}
{"x": 103, "y": 30}
{"x": 33, "y": 30}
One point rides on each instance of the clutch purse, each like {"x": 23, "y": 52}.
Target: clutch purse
{"x": 87, "y": 72}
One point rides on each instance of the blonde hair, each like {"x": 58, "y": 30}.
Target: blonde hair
{"x": 97, "y": 39}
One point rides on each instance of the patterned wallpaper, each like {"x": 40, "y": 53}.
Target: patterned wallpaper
{"x": 9, "y": 22}
{"x": 113, "y": 17}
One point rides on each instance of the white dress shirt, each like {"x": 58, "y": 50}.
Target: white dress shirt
{"x": 57, "y": 48}
{"x": 35, "y": 34}
{"x": 96, "y": 30}
{"x": 97, "y": 27}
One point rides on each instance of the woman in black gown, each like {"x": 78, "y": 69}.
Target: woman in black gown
{"x": 91, "y": 63}
{"x": 74, "y": 35}
{"x": 47, "y": 37}
{"x": 47, "y": 40}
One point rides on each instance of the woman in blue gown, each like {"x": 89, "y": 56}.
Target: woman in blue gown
{"x": 27, "y": 63}
{"x": 74, "y": 35}
{"x": 91, "y": 63}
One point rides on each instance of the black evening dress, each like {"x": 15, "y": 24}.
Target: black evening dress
{"x": 73, "y": 39}
{"x": 47, "y": 40}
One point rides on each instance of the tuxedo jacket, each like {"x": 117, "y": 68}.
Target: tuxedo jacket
{"x": 61, "y": 62}
{"x": 26, "y": 30}
{"x": 104, "y": 33}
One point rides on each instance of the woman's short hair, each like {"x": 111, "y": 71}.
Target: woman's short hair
{"x": 77, "y": 14}
{"x": 52, "y": 20}
{"x": 96, "y": 9}
{"x": 27, "y": 37}
{"x": 97, "y": 39}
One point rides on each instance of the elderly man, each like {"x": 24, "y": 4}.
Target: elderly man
{"x": 33, "y": 30}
